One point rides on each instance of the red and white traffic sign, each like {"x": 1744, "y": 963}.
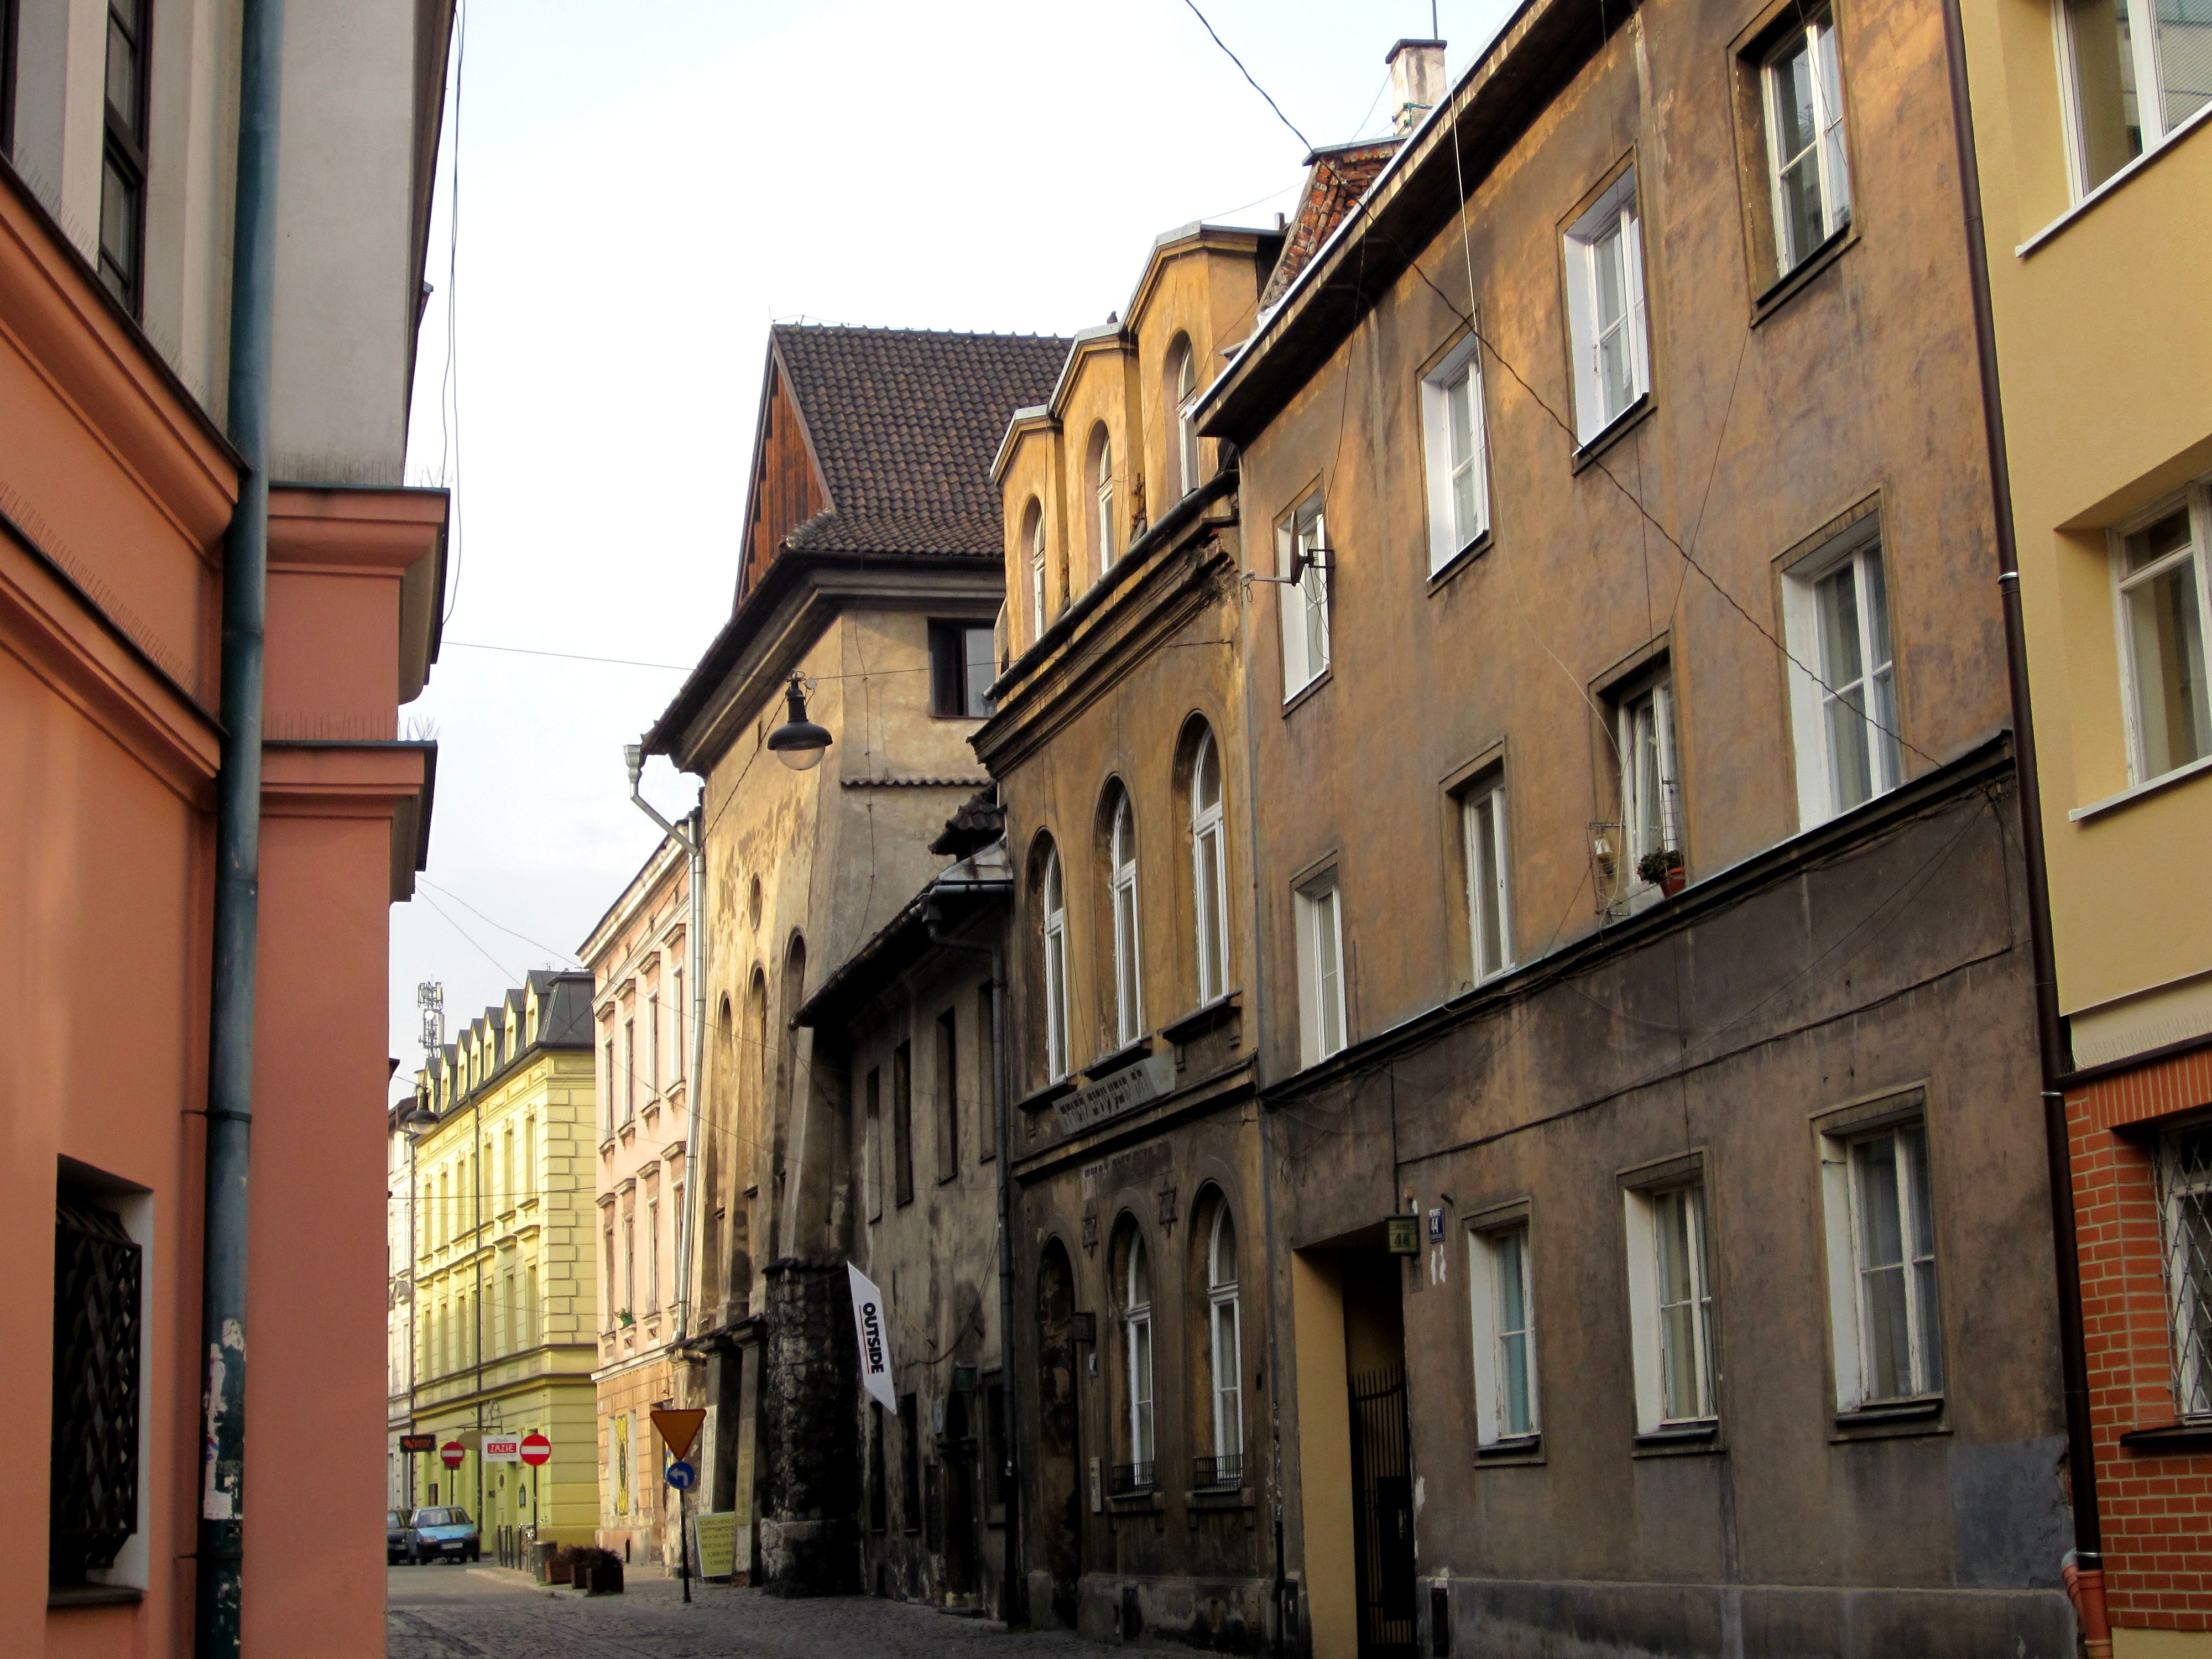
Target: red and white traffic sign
{"x": 535, "y": 1449}
{"x": 502, "y": 1449}
{"x": 452, "y": 1454}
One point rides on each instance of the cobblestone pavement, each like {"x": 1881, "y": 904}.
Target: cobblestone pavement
{"x": 483, "y": 1612}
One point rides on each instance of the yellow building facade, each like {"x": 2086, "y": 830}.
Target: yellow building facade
{"x": 2092, "y": 122}
{"x": 507, "y": 1307}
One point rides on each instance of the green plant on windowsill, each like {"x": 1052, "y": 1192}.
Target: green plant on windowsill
{"x": 624, "y": 1319}
{"x": 1662, "y": 867}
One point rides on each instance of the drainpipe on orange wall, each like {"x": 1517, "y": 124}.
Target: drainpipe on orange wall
{"x": 2083, "y": 1567}
{"x": 221, "y": 1544}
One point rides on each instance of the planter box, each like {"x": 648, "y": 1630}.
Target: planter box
{"x": 598, "y": 1578}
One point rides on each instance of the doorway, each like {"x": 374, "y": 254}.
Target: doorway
{"x": 1382, "y": 1465}
{"x": 956, "y": 1452}
{"x": 1060, "y": 1506}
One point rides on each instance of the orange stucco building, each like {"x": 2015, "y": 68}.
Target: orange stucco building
{"x": 118, "y": 485}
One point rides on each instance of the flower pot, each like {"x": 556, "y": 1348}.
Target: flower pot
{"x": 1671, "y": 881}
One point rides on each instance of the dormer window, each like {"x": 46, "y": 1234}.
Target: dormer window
{"x": 1182, "y": 398}
{"x": 1033, "y": 545}
{"x": 1098, "y": 482}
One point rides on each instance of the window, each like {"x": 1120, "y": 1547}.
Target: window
{"x": 1033, "y": 543}
{"x": 1810, "y": 174}
{"x": 503, "y": 1314}
{"x": 1182, "y": 395}
{"x": 2185, "y": 1175}
{"x": 1055, "y": 969}
{"x": 530, "y": 1337}
{"x": 1504, "y": 1334}
{"x": 614, "y": 1303}
{"x": 653, "y": 1045}
{"x": 1304, "y": 559}
{"x": 1321, "y": 970}
{"x": 2114, "y": 51}
{"x": 607, "y": 1132}
{"x": 1137, "y": 1331}
{"x": 1489, "y": 914}
{"x": 903, "y": 1121}
{"x": 961, "y": 669}
{"x": 1644, "y": 722}
{"x": 1452, "y": 437}
{"x": 629, "y": 1264}
{"x": 1098, "y": 483}
{"x": 1670, "y": 1306}
{"x": 1836, "y": 611}
{"x": 629, "y": 1070}
{"x": 1883, "y": 1303}
{"x": 909, "y": 1463}
{"x": 1209, "y": 860}
{"x": 123, "y": 167}
{"x": 1605, "y": 309}
{"x": 873, "y": 1102}
{"x": 528, "y": 1179}
{"x": 2161, "y": 570}
{"x": 987, "y": 1075}
{"x": 676, "y": 1029}
{"x": 653, "y": 1257}
{"x": 948, "y": 1097}
{"x": 99, "y": 1270}
{"x": 1225, "y": 1348}
{"x": 1121, "y": 884}
{"x": 880, "y": 1508}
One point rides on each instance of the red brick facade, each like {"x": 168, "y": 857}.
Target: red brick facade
{"x": 2156, "y": 1508}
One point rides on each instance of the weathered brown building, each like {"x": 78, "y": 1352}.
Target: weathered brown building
{"x": 1660, "y": 1258}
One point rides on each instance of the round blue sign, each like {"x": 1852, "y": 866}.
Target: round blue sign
{"x": 681, "y": 1475}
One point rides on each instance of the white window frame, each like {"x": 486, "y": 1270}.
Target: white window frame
{"x": 1209, "y": 860}
{"x": 1487, "y": 1264}
{"x": 1451, "y": 534}
{"x": 653, "y": 1255}
{"x": 1122, "y": 897}
{"x": 2196, "y": 502}
{"x": 1645, "y": 1308}
{"x": 1305, "y": 603}
{"x": 1104, "y": 506}
{"x": 1658, "y": 692}
{"x": 1036, "y": 570}
{"x": 1816, "y": 37}
{"x": 1224, "y": 1312}
{"x": 1055, "y": 968}
{"x": 1586, "y": 240}
{"x": 1136, "y": 1326}
{"x": 1843, "y": 1203}
{"x": 1323, "y": 1026}
{"x": 2150, "y": 115}
{"x": 1188, "y": 466}
{"x": 1488, "y": 897}
{"x": 1815, "y": 683}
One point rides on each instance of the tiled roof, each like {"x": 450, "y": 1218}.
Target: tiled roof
{"x": 904, "y": 423}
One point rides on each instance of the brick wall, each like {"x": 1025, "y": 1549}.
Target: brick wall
{"x": 2156, "y": 1507}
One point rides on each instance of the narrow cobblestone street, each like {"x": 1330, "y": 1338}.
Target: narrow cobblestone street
{"x": 484, "y": 1612}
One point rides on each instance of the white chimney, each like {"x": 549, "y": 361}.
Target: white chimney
{"x": 1417, "y": 83}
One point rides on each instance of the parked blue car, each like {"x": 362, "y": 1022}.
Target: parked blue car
{"x": 443, "y": 1533}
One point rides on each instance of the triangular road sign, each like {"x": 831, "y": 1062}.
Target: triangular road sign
{"x": 678, "y": 1429}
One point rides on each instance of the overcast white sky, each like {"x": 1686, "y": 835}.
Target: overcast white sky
{"x": 642, "y": 189}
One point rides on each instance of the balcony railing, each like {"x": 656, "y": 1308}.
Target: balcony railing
{"x": 1212, "y": 1472}
{"x": 1129, "y": 1478}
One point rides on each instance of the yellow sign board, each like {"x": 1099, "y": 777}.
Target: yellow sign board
{"x": 717, "y": 1537}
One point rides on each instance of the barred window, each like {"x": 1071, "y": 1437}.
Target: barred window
{"x": 94, "y": 1503}
{"x": 2184, "y": 1170}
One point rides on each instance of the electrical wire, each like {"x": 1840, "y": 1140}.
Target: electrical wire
{"x": 1246, "y": 74}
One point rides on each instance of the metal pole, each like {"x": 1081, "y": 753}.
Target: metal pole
{"x": 683, "y": 1547}
{"x": 220, "y": 1552}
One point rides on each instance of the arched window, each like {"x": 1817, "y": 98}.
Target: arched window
{"x": 1136, "y": 1326}
{"x": 1098, "y": 478}
{"x": 1055, "y": 968}
{"x": 1182, "y": 394}
{"x": 1033, "y": 545}
{"x": 1223, "y": 1317}
{"x": 1209, "y": 869}
{"x": 1122, "y": 884}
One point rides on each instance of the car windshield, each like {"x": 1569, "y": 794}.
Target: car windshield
{"x": 442, "y": 1517}
{"x": 394, "y": 1518}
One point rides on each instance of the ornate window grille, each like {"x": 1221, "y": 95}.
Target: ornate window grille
{"x": 2185, "y": 1170}
{"x": 94, "y": 1464}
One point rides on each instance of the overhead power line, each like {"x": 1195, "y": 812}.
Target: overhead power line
{"x": 1246, "y": 74}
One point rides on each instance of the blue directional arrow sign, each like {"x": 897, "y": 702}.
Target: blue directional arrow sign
{"x": 681, "y": 1475}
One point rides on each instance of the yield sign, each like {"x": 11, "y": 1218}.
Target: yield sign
{"x": 535, "y": 1449}
{"x": 678, "y": 1429}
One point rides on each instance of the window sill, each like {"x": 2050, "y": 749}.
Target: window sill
{"x": 1892, "y": 1420}
{"x": 1679, "y": 1439}
{"x": 1442, "y": 576}
{"x": 1204, "y": 1017}
{"x": 2169, "y": 1438}
{"x": 1621, "y": 425}
{"x": 1515, "y": 1449}
{"x": 1801, "y": 275}
{"x": 1047, "y": 1095}
{"x": 1219, "y": 1498}
{"x": 1147, "y": 1502}
{"x": 2172, "y": 141}
{"x": 1307, "y": 690}
{"x": 2134, "y": 792}
{"x": 1120, "y": 1060}
{"x": 93, "y": 1596}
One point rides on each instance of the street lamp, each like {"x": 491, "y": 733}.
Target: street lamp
{"x": 799, "y": 742}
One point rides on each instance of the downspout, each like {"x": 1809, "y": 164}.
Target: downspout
{"x": 221, "y": 1542}
{"x": 1014, "y": 1581}
{"x": 2084, "y": 1565}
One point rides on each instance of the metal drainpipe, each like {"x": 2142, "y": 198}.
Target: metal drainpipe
{"x": 1014, "y": 1582}
{"x": 221, "y": 1542}
{"x": 2084, "y": 1570}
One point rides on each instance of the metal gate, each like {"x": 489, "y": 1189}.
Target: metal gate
{"x": 1382, "y": 1514}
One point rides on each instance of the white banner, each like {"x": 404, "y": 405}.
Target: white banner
{"x": 871, "y": 1329}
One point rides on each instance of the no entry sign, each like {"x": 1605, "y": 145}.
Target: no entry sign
{"x": 503, "y": 1448}
{"x": 535, "y": 1449}
{"x": 452, "y": 1454}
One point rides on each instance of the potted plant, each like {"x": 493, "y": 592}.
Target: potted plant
{"x": 1662, "y": 867}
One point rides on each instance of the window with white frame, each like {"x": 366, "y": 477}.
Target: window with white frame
{"x": 1884, "y": 1307}
{"x": 1033, "y": 539}
{"x": 1670, "y": 1306}
{"x": 2185, "y": 1180}
{"x": 1322, "y": 1020}
{"x": 2160, "y": 570}
{"x": 652, "y": 1256}
{"x": 1452, "y": 439}
{"x": 2135, "y": 72}
{"x": 1101, "y": 482}
{"x": 1182, "y": 401}
{"x": 1121, "y": 891}
{"x": 1055, "y": 969}
{"x": 1499, "y": 1292}
{"x": 1226, "y": 1348}
{"x": 1309, "y": 568}
{"x": 1489, "y": 913}
{"x": 1136, "y": 1328}
{"x": 1605, "y": 309}
{"x": 1651, "y": 791}
{"x": 1209, "y": 860}
{"x": 1806, "y": 167}
{"x": 1843, "y": 676}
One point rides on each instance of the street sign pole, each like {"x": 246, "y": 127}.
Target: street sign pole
{"x": 682, "y": 1548}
